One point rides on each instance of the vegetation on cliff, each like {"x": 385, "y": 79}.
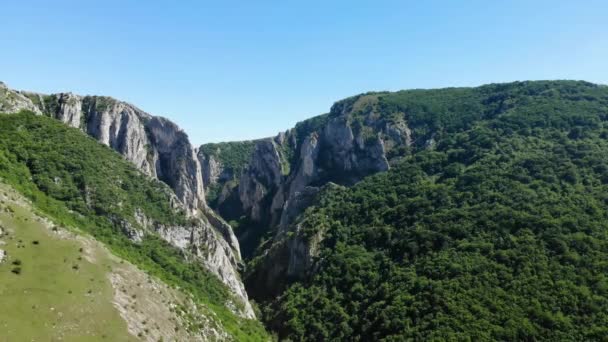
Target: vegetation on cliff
{"x": 497, "y": 231}
{"x": 80, "y": 183}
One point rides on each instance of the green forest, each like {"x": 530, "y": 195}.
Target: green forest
{"x": 82, "y": 184}
{"x": 498, "y": 231}
{"x": 490, "y": 225}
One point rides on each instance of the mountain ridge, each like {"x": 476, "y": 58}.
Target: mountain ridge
{"x": 362, "y": 135}
{"x": 288, "y": 199}
{"x": 159, "y": 149}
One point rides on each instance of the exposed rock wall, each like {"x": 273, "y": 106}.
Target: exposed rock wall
{"x": 160, "y": 149}
{"x": 260, "y": 180}
{"x": 212, "y": 169}
{"x": 278, "y": 183}
{"x": 338, "y": 151}
{"x": 349, "y": 144}
{"x": 12, "y": 101}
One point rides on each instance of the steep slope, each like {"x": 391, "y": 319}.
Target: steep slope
{"x": 45, "y": 274}
{"x": 361, "y": 135}
{"x": 498, "y": 232}
{"x": 222, "y": 165}
{"x": 457, "y": 213}
{"x": 475, "y": 177}
{"x": 153, "y": 144}
{"x": 79, "y": 182}
{"x": 343, "y": 146}
{"x": 78, "y": 290}
{"x": 158, "y": 148}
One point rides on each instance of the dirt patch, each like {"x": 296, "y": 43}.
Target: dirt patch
{"x": 154, "y": 311}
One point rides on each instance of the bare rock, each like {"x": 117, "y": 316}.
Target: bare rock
{"x": 159, "y": 149}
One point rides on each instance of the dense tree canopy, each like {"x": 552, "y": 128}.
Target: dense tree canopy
{"x": 499, "y": 231}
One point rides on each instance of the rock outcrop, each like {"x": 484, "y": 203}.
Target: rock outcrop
{"x": 160, "y": 149}
{"x": 267, "y": 185}
{"x": 260, "y": 180}
{"x": 286, "y": 172}
{"x": 222, "y": 165}
{"x": 12, "y": 101}
{"x": 346, "y": 147}
{"x": 212, "y": 169}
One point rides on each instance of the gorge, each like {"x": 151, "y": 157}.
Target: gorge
{"x": 390, "y": 202}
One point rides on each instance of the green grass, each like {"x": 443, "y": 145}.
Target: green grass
{"x": 80, "y": 183}
{"x": 58, "y": 294}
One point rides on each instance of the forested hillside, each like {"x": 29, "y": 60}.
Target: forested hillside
{"x": 222, "y": 164}
{"x": 460, "y": 214}
{"x": 82, "y": 184}
{"x": 495, "y": 230}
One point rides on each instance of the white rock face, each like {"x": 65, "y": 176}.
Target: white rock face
{"x": 70, "y": 109}
{"x": 119, "y": 126}
{"x": 155, "y": 145}
{"x": 261, "y": 178}
{"x": 160, "y": 149}
{"x": 336, "y": 151}
{"x": 214, "y": 251}
{"x": 211, "y": 169}
{"x": 13, "y": 102}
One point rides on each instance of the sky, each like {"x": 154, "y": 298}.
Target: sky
{"x": 237, "y": 70}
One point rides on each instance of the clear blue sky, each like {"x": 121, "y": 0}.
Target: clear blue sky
{"x": 234, "y": 70}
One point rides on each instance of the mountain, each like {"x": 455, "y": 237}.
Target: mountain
{"x": 456, "y": 213}
{"x": 159, "y": 149}
{"x": 80, "y": 186}
{"x": 485, "y": 219}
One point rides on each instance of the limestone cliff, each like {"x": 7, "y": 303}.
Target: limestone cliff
{"x": 160, "y": 149}
{"x": 262, "y": 186}
{"x": 12, "y": 101}
{"x": 285, "y": 173}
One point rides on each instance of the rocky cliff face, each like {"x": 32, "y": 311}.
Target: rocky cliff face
{"x": 260, "y": 180}
{"x": 160, "y": 149}
{"x": 264, "y": 184}
{"x": 222, "y": 165}
{"x": 285, "y": 173}
{"x": 155, "y": 145}
{"x": 212, "y": 169}
{"x": 12, "y": 101}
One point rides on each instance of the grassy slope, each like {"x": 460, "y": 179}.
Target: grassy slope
{"x": 67, "y": 303}
{"x": 81, "y": 183}
{"x": 83, "y": 303}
